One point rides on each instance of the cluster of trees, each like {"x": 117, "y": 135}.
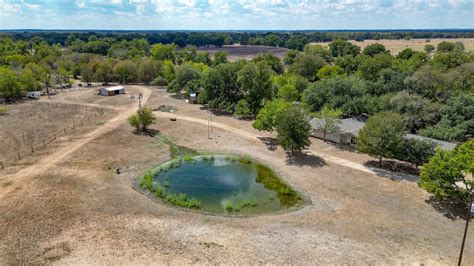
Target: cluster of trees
{"x": 432, "y": 92}
{"x": 99, "y": 42}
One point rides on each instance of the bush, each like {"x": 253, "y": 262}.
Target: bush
{"x": 159, "y": 81}
{"x": 142, "y": 119}
{"x": 416, "y": 151}
{"x": 147, "y": 181}
{"x": 243, "y": 108}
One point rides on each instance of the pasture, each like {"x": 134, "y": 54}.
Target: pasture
{"x": 395, "y": 46}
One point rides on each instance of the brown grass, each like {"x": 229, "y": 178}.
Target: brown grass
{"x": 395, "y": 46}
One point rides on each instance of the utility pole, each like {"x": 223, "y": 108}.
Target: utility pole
{"x": 140, "y": 101}
{"x": 468, "y": 177}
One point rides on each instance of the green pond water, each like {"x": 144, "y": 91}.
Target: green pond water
{"x": 223, "y": 185}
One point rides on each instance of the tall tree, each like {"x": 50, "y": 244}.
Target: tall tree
{"x": 382, "y": 136}
{"x": 254, "y": 79}
{"x": 293, "y": 129}
{"x": 443, "y": 174}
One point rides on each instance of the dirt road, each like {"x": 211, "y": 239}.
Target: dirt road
{"x": 62, "y": 153}
{"x": 329, "y": 158}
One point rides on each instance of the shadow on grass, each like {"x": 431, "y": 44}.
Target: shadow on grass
{"x": 394, "y": 170}
{"x": 300, "y": 159}
{"x": 271, "y": 143}
{"x": 452, "y": 209}
{"x": 149, "y": 132}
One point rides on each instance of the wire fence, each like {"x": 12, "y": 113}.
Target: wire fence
{"x": 36, "y": 145}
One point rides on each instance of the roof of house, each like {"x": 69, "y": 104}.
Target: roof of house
{"x": 445, "y": 145}
{"x": 114, "y": 88}
{"x": 348, "y": 125}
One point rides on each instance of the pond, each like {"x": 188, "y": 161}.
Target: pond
{"x": 220, "y": 184}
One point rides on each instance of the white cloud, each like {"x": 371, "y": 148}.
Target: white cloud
{"x": 9, "y": 8}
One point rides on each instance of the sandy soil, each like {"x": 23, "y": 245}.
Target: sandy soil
{"x": 395, "y": 46}
{"x": 80, "y": 212}
{"x": 244, "y": 51}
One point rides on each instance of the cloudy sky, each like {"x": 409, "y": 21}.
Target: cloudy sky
{"x": 236, "y": 14}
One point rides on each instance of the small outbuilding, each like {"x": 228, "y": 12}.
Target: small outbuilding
{"x": 33, "y": 94}
{"x": 110, "y": 91}
{"x": 444, "y": 145}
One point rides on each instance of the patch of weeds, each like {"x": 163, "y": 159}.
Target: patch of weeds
{"x": 147, "y": 181}
{"x": 8, "y": 183}
{"x": 248, "y": 203}
{"x": 188, "y": 158}
{"x": 229, "y": 206}
{"x": 183, "y": 201}
{"x": 160, "y": 191}
{"x": 100, "y": 123}
{"x": 286, "y": 195}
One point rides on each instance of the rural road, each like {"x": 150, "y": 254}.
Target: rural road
{"x": 57, "y": 156}
{"x": 326, "y": 157}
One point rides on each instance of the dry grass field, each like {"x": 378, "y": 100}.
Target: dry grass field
{"x": 395, "y": 46}
{"x": 244, "y": 51}
{"x": 79, "y": 211}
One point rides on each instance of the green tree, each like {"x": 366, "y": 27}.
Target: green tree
{"x": 126, "y": 71}
{"x": 220, "y": 58}
{"x": 307, "y": 66}
{"x": 10, "y": 88}
{"x": 375, "y": 48}
{"x": 271, "y": 60}
{"x": 148, "y": 70}
{"x": 329, "y": 72}
{"x": 290, "y": 57}
{"x": 330, "y": 119}
{"x": 254, "y": 79}
{"x": 293, "y": 129}
{"x": 382, "y": 136}
{"x": 143, "y": 118}
{"x": 429, "y": 48}
{"x": 442, "y": 175}
{"x": 220, "y": 87}
{"x": 416, "y": 151}
{"x": 243, "y": 109}
{"x": 185, "y": 75}
{"x": 164, "y": 52}
{"x": 342, "y": 48}
{"x": 86, "y": 74}
{"x": 104, "y": 72}
{"x": 266, "y": 117}
{"x": 457, "y": 120}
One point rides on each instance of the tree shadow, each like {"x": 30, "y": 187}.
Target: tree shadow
{"x": 451, "y": 209}
{"x": 151, "y": 132}
{"x": 271, "y": 143}
{"x": 394, "y": 170}
{"x": 301, "y": 159}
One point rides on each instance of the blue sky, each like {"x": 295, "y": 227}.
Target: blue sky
{"x": 235, "y": 14}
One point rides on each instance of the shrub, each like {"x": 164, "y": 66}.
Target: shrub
{"x": 142, "y": 119}
{"x": 159, "y": 81}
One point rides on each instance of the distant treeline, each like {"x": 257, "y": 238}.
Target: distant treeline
{"x": 292, "y": 40}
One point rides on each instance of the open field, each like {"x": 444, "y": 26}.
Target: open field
{"x": 395, "y": 46}
{"x": 244, "y": 51}
{"x": 76, "y": 210}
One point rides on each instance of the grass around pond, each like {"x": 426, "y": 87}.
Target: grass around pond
{"x": 157, "y": 183}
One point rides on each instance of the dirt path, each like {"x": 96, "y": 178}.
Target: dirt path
{"x": 326, "y": 157}
{"x": 59, "y": 155}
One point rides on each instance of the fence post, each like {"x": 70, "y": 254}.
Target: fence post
{"x": 19, "y": 158}
{"x": 44, "y": 143}
{"x": 2, "y": 165}
{"x": 32, "y": 150}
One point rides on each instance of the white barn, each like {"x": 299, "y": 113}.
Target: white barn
{"x": 110, "y": 91}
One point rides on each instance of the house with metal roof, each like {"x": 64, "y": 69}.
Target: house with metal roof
{"x": 347, "y": 131}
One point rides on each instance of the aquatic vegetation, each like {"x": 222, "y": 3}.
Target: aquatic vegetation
{"x": 220, "y": 184}
{"x": 183, "y": 201}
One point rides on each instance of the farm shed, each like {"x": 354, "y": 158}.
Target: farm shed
{"x": 110, "y": 91}
{"x": 345, "y": 133}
